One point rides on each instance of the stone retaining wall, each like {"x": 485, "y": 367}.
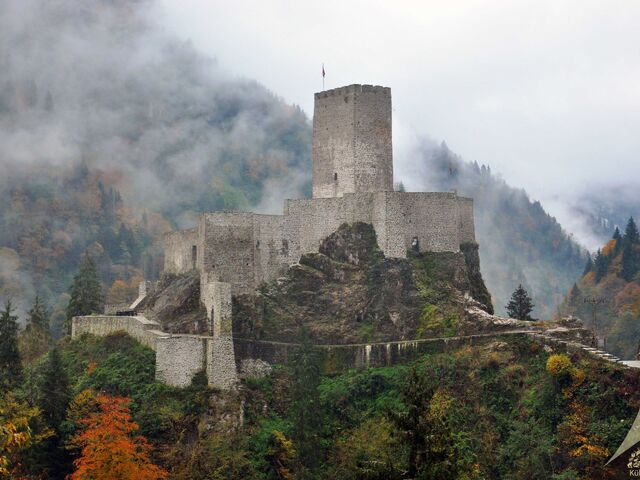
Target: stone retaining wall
{"x": 180, "y": 357}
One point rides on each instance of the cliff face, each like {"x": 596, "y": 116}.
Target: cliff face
{"x": 349, "y": 292}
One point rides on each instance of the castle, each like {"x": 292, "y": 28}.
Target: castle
{"x": 352, "y": 181}
{"x": 234, "y": 252}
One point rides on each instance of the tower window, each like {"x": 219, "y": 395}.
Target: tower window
{"x": 194, "y": 256}
{"x": 335, "y": 177}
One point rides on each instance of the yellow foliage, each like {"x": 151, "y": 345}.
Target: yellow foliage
{"x": 440, "y": 404}
{"x": 283, "y": 454}
{"x": 16, "y": 433}
{"x": 118, "y": 293}
{"x": 558, "y": 365}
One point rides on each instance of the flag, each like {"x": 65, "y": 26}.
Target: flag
{"x": 323, "y": 70}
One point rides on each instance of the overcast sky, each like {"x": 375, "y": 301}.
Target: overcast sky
{"x": 547, "y": 93}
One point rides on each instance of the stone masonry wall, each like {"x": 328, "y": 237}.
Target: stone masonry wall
{"x": 179, "y": 358}
{"x": 145, "y": 331}
{"x": 178, "y": 250}
{"x": 467, "y": 223}
{"x": 246, "y": 249}
{"x": 352, "y": 149}
{"x": 430, "y": 218}
{"x": 373, "y": 150}
{"x": 229, "y": 249}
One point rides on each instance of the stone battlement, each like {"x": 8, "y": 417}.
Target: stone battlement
{"x": 354, "y": 88}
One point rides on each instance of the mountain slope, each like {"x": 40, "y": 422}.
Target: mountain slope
{"x": 519, "y": 242}
{"x": 97, "y": 102}
{"x": 610, "y": 284}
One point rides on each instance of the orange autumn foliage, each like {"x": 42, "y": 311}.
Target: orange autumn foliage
{"x": 110, "y": 448}
{"x": 609, "y": 248}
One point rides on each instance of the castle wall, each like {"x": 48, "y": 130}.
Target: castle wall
{"x": 178, "y": 250}
{"x": 179, "y": 358}
{"x": 246, "y": 249}
{"x": 398, "y": 217}
{"x": 142, "y": 329}
{"x": 467, "y": 224}
{"x": 229, "y": 248}
{"x": 431, "y": 218}
{"x": 352, "y": 150}
{"x": 275, "y": 247}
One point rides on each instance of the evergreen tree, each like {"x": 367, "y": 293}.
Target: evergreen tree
{"x": 631, "y": 235}
{"x": 600, "y": 265}
{"x": 428, "y": 434}
{"x": 36, "y": 338}
{"x": 630, "y": 260}
{"x": 618, "y": 238}
{"x": 574, "y": 294}
{"x": 10, "y": 363}
{"x": 86, "y": 292}
{"x": 54, "y": 390}
{"x": 589, "y": 266}
{"x": 53, "y": 400}
{"x": 520, "y": 305}
{"x": 305, "y": 408}
{"x": 39, "y": 315}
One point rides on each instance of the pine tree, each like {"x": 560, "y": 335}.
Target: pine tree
{"x": 617, "y": 236}
{"x": 39, "y": 315}
{"x": 425, "y": 427}
{"x": 589, "y": 266}
{"x": 631, "y": 234}
{"x": 305, "y": 408}
{"x": 600, "y": 265}
{"x": 86, "y": 292}
{"x": 520, "y": 305}
{"x": 54, "y": 390}
{"x": 574, "y": 294}
{"x": 36, "y": 338}
{"x": 10, "y": 363}
{"x": 630, "y": 260}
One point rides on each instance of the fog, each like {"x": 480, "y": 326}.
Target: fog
{"x": 98, "y": 82}
{"x": 544, "y": 92}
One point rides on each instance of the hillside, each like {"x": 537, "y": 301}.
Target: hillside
{"x": 145, "y": 133}
{"x": 612, "y": 279}
{"x": 505, "y": 409}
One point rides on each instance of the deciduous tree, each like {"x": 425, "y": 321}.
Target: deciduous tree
{"x": 110, "y": 448}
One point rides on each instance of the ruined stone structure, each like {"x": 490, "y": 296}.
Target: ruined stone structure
{"x": 234, "y": 252}
{"x": 352, "y": 181}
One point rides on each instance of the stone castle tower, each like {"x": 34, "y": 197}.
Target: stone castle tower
{"x": 352, "y": 151}
{"x": 352, "y": 182}
{"x": 234, "y": 252}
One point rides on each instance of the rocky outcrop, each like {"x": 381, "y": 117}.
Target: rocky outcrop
{"x": 350, "y": 292}
{"x": 175, "y": 304}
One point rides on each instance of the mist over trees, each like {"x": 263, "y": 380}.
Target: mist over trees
{"x": 146, "y": 133}
{"x": 520, "y": 243}
{"x": 112, "y": 132}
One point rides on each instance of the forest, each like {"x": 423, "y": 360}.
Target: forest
{"x": 610, "y": 289}
{"x": 505, "y": 409}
